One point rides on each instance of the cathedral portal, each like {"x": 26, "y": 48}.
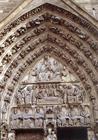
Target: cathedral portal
{"x": 49, "y": 75}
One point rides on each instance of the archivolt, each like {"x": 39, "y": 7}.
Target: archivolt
{"x": 48, "y": 29}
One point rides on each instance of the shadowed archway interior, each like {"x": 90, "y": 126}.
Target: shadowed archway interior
{"x": 72, "y": 134}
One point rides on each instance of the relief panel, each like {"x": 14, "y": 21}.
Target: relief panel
{"x": 50, "y": 94}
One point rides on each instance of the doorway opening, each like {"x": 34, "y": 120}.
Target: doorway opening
{"x": 75, "y": 133}
{"x": 32, "y": 134}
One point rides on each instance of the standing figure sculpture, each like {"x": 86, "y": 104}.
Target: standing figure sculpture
{"x": 51, "y": 135}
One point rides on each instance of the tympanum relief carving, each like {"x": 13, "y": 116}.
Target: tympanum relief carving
{"x": 50, "y": 93}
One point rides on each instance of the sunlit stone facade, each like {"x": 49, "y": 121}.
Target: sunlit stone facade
{"x": 49, "y": 74}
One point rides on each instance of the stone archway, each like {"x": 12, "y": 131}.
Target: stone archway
{"x": 65, "y": 36}
{"x": 50, "y": 96}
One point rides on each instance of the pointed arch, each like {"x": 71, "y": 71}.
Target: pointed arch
{"x": 53, "y": 30}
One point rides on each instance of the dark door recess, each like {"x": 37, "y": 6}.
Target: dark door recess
{"x": 72, "y": 133}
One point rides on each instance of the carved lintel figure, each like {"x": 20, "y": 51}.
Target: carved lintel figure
{"x": 64, "y": 116}
{"x": 28, "y": 123}
{"x": 16, "y": 118}
{"x": 39, "y": 123}
{"x": 75, "y": 115}
{"x": 39, "y": 116}
{"x": 28, "y": 118}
